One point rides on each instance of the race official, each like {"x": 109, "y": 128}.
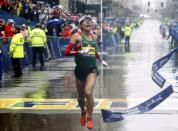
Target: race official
{"x": 16, "y": 53}
{"x": 127, "y": 32}
{"x": 37, "y": 39}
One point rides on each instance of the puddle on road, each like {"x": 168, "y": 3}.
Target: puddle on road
{"x": 36, "y": 85}
{"x": 63, "y": 87}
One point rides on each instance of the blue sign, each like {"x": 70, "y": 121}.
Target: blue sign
{"x": 156, "y": 77}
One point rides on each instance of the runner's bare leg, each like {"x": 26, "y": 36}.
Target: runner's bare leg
{"x": 90, "y": 83}
{"x": 81, "y": 93}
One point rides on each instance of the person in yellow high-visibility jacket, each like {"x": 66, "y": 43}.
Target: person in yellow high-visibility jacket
{"x": 16, "y": 53}
{"x": 127, "y": 32}
{"x": 37, "y": 39}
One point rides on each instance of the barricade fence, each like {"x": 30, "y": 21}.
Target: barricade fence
{"x": 110, "y": 40}
{"x": 55, "y": 49}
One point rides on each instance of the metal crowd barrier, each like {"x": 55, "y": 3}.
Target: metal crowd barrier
{"x": 55, "y": 49}
{"x": 109, "y": 40}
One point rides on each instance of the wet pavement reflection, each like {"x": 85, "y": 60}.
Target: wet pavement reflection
{"x": 68, "y": 122}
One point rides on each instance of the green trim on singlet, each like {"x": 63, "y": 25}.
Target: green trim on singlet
{"x": 86, "y": 61}
{"x": 85, "y": 42}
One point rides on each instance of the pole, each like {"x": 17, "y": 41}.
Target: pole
{"x": 101, "y": 24}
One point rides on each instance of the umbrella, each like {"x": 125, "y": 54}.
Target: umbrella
{"x": 55, "y": 22}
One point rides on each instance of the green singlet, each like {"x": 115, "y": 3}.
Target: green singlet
{"x": 87, "y": 60}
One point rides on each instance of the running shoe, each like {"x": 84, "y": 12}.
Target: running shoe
{"x": 83, "y": 118}
{"x": 89, "y": 123}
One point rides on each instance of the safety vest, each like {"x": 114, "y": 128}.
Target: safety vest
{"x": 128, "y": 31}
{"x": 37, "y": 38}
{"x": 17, "y": 46}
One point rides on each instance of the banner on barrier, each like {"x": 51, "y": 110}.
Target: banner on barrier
{"x": 156, "y": 77}
{"x": 109, "y": 116}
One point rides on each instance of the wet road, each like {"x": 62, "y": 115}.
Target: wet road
{"x": 128, "y": 77}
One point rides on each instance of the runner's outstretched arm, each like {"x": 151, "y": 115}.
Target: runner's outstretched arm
{"x": 69, "y": 50}
{"x": 102, "y": 61}
{"x": 98, "y": 56}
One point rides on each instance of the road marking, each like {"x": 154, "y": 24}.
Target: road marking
{"x": 72, "y": 104}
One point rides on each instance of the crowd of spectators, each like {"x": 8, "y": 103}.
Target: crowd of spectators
{"x": 40, "y": 12}
{"x": 37, "y": 11}
{"x": 7, "y": 29}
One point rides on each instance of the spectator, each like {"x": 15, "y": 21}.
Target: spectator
{"x": 24, "y": 31}
{"x": 10, "y": 28}
{"x": 19, "y": 8}
{"x": 94, "y": 28}
{"x": 1, "y": 28}
{"x": 74, "y": 28}
{"x": 66, "y": 32}
{"x": 26, "y": 11}
{"x": 55, "y": 11}
{"x": 43, "y": 17}
{"x": 2, "y": 33}
{"x": 7, "y": 5}
{"x": 61, "y": 12}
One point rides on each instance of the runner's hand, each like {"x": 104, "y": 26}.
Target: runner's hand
{"x": 104, "y": 63}
{"x": 85, "y": 51}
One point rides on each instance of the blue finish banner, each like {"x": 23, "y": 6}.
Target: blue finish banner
{"x": 109, "y": 116}
{"x": 156, "y": 77}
